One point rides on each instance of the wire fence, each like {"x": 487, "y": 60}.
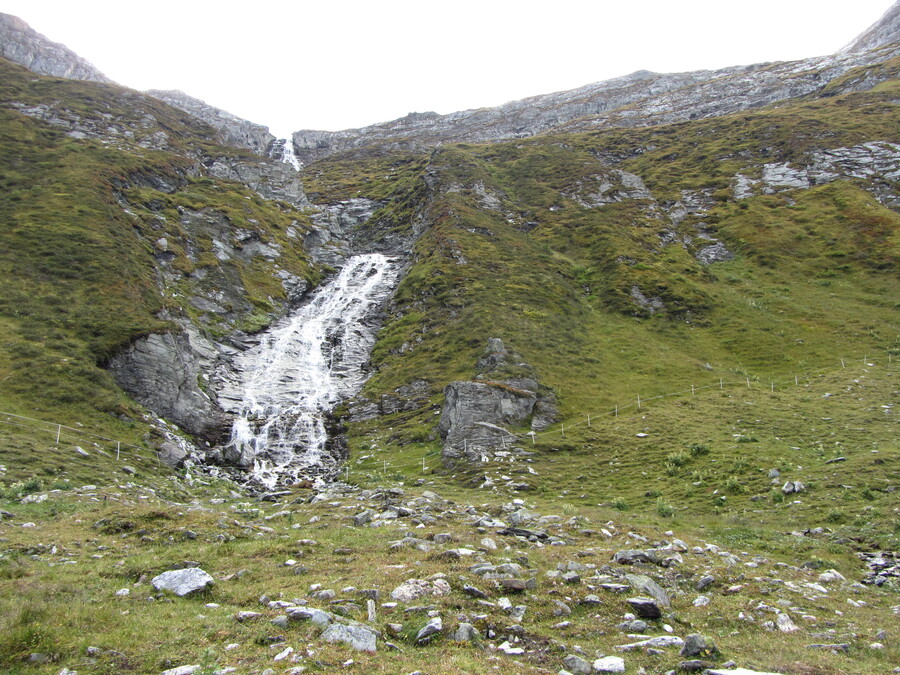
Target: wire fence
{"x": 61, "y": 432}
{"x": 121, "y": 449}
{"x": 638, "y": 403}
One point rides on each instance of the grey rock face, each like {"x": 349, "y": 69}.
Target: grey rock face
{"x": 476, "y": 414}
{"x": 878, "y": 163}
{"x": 233, "y": 130}
{"x": 885, "y": 31}
{"x": 162, "y": 372}
{"x": 183, "y": 582}
{"x": 23, "y": 45}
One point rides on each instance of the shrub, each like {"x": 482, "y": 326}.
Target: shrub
{"x": 664, "y": 509}
{"x": 699, "y": 449}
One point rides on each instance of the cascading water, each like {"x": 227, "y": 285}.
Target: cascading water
{"x": 288, "y": 156}
{"x": 302, "y": 368}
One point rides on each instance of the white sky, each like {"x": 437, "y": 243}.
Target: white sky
{"x": 337, "y": 64}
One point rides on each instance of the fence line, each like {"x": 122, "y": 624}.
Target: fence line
{"x": 796, "y": 380}
{"x": 65, "y": 432}
{"x": 72, "y": 432}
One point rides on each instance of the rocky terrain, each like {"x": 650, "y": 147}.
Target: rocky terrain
{"x": 632, "y": 396}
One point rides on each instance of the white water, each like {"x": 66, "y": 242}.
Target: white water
{"x": 288, "y": 156}
{"x": 303, "y": 367}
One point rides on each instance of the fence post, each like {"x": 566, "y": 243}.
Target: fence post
{"x": 563, "y": 427}
{"x": 842, "y": 363}
{"x": 692, "y": 390}
{"x": 773, "y": 386}
{"x": 58, "y": 431}
{"x": 721, "y": 383}
{"x": 118, "y": 448}
{"x": 748, "y": 383}
{"x": 617, "y": 409}
{"x": 589, "y": 419}
{"x": 639, "y": 401}
{"x": 796, "y": 381}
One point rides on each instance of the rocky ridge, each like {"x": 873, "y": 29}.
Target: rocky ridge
{"x": 232, "y": 129}
{"x": 640, "y": 99}
{"x": 23, "y": 45}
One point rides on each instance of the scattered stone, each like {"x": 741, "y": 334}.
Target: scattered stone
{"x": 646, "y": 608}
{"x": 701, "y": 601}
{"x": 738, "y": 671}
{"x": 831, "y": 575}
{"x": 705, "y": 582}
{"x": 695, "y": 665}
{"x": 698, "y": 645}
{"x": 360, "y": 638}
{"x": 644, "y": 584}
{"x": 633, "y": 556}
{"x": 182, "y": 670}
{"x": 246, "y": 616}
{"x": 661, "y": 641}
{"x": 842, "y": 647}
{"x": 784, "y": 623}
{"x": 429, "y": 630}
{"x": 609, "y": 664}
{"x": 577, "y": 665}
{"x": 183, "y": 582}
{"x": 466, "y": 632}
{"x": 412, "y": 589}
{"x": 473, "y": 592}
{"x": 792, "y": 487}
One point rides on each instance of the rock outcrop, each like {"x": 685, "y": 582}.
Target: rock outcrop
{"x": 163, "y": 372}
{"x": 477, "y": 414}
{"x": 233, "y": 130}
{"x": 21, "y": 44}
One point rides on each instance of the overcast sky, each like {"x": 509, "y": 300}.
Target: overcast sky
{"x": 338, "y": 64}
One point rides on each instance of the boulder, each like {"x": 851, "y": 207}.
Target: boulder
{"x": 646, "y": 608}
{"x": 183, "y": 582}
{"x": 609, "y": 664}
{"x": 360, "y": 638}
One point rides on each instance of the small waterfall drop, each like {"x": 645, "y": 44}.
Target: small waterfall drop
{"x": 288, "y": 156}
{"x": 303, "y": 367}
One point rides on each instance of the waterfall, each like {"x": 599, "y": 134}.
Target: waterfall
{"x": 288, "y": 156}
{"x": 302, "y": 368}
